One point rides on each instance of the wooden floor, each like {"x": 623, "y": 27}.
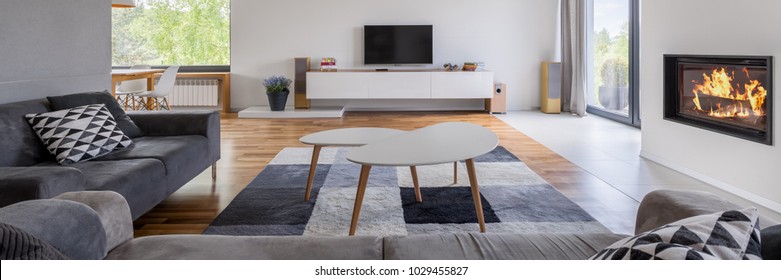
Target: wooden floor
{"x": 249, "y": 144}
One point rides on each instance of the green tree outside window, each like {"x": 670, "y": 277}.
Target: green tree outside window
{"x": 172, "y": 32}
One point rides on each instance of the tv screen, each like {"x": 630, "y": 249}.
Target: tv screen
{"x": 397, "y": 44}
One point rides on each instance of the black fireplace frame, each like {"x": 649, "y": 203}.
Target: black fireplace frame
{"x": 672, "y": 100}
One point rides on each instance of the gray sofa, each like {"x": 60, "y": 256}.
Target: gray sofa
{"x": 97, "y": 225}
{"x": 170, "y": 149}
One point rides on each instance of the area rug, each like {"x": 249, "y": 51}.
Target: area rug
{"x": 515, "y": 199}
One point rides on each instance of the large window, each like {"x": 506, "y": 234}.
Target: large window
{"x": 172, "y": 32}
{"x": 612, "y": 56}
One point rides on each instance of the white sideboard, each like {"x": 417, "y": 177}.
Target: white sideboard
{"x": 414, "y": 84}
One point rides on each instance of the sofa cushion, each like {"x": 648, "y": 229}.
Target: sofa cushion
{"x": 184, "y": 156}
{"x": 171, "y": 123}
{"x": 727, "y": 235}
{"x": 142, "y": 182}
{"x": 73, "y": 228}
{"x": 25, "y": 183}
{"x": 220, "y": 247}
{"x": 16, "y": 244}
{"x": 80, "y": 99}
{"x": 661, "y": 207}
{"x": 20, "y": 145}
{"x": 496, "y": 246}
{"x": 79, "y": 134}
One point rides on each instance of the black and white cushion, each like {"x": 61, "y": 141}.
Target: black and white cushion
{"x": 78, "y": 134}
{"x": 124, "y": 122}
{"x": 728, "y": 235}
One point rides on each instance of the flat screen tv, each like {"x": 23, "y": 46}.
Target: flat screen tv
{"x": 397, "y": 44}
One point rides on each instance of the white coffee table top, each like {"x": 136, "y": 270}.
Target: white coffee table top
{"x": 357, "y": 136}
{"x": 436, "y": 144}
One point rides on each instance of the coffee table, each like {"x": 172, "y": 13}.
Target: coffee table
{"x": 353, "y": 137}
{"x": 436, "y": 144}
{"x": 342, "y": 137}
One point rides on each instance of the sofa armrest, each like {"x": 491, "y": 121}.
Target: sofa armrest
{"x": 113, "y": 211}
{"x": 662, "y": 207}
{"x": 73, "y": 228}
{"x": 204, "y": 123}
{"x": 26, "y": 183}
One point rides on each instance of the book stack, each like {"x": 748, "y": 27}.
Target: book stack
{"x": 469, "y": 66}
{"x": 328, "y": 64}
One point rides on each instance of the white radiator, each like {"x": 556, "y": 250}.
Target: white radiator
{"x": 195, "y": 92}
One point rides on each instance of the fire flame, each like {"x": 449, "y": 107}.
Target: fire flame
{"x": 719, "y": 84}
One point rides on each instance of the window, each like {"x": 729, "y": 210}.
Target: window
{"x": 172, "y": 32}
{"x": 612, "y": 59}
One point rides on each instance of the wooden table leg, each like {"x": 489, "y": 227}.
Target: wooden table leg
{"x": 150, "y": 86}
{"x": 470, "y": 167}
{"x": 113, "y": 87}
{"x": 414, "y": 171}
{"x": 455, "y": 172}
{"x": 312, "y": 167}
{"x": 359, "y": 197}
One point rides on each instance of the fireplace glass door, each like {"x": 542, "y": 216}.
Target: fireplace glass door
{"x": 726, "y": 94}
{"x": 731, "y": 95}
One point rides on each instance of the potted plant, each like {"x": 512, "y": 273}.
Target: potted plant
{"x": 614, "y": 93}
{"x": 277, "y": 92}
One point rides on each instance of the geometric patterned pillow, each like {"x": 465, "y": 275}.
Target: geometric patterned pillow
{"x": 79, "y": 134}
{"x": 728, "y": 235}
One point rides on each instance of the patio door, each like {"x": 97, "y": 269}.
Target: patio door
{"x": 612, "y": 60}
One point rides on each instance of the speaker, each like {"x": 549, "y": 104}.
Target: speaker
{"x": 550, "y": 88}
{"x": 497, "y": 104}
{"x": 302, "y": 65}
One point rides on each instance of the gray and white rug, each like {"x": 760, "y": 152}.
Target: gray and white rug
{"x": 515, "y": 199}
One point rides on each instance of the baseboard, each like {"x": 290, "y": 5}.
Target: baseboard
{"x": 772, "y": 205}
{"x": 380, "y": 109}
{"x": 406, "y": 109}
{"x": 263, "y": 112}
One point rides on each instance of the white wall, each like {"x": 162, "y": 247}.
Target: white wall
{"x": 749, "y": 27}
{"x": 511, "y": 36}
{"x": 54, "y": 48}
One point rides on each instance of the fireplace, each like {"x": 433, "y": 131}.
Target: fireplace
{"x": 727, "y": 94}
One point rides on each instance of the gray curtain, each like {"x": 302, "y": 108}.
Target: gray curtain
{"x": 573, "y": 56}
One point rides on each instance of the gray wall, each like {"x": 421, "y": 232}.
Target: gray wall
{"x": 54, "y": 47}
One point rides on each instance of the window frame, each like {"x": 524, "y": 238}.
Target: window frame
{"x": 188, "y": 68}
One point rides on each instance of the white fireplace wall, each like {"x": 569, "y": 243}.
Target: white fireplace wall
{"x": 747, "y": 169}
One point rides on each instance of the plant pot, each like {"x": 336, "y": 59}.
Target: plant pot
{"x": 613, "y": 98}
{"x": 277, "y": 100}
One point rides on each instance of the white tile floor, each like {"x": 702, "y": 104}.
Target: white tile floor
{"x": 611, "y": 152}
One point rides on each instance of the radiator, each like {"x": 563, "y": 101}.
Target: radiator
{"x": 195, "y": 92}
